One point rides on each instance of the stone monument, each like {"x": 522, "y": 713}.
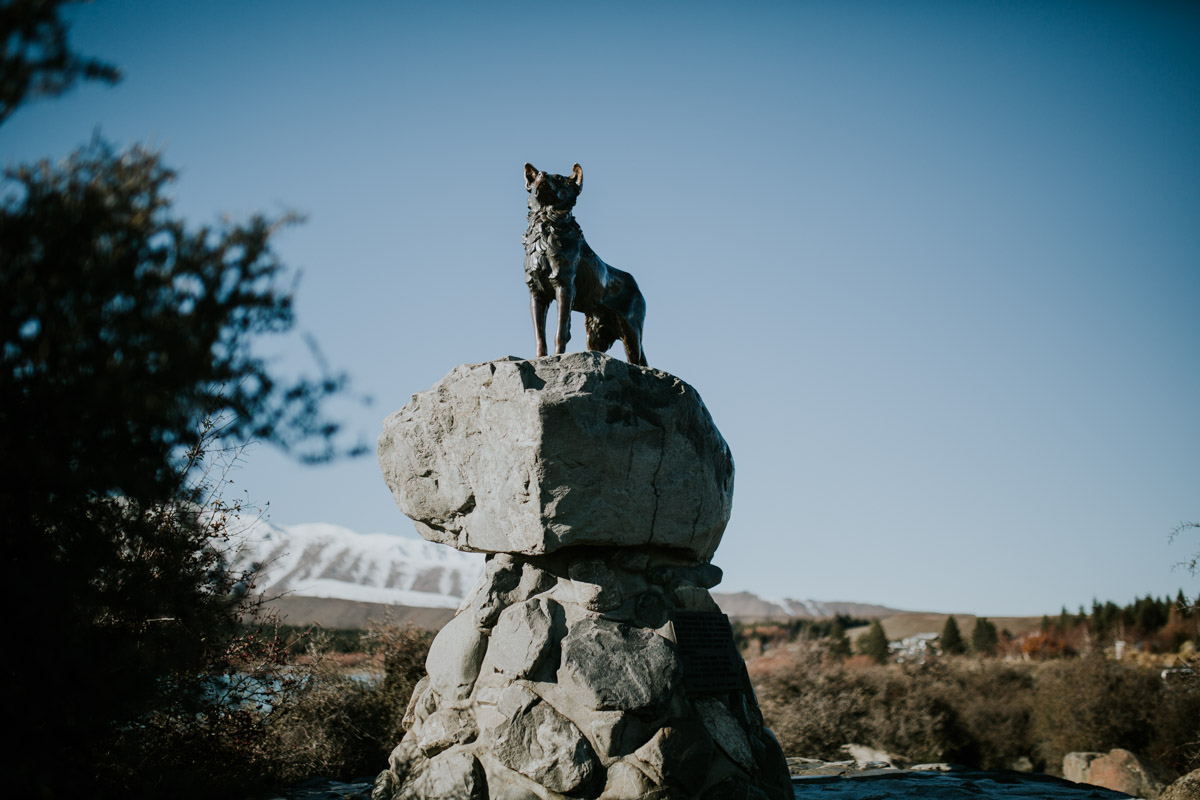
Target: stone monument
{"x": 590, "y": 661}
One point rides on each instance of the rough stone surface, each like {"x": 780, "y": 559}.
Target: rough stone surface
{"x": 773, "y": 767}
{"x": 521, "y": 638}
{"x": 678, "y": 754}
{"x": 450, "y": 776}
{"x": 650, "y": 610}
{"x": 420, "y": 705}
{"x": 1076, "y": 765}
{"x": 501, "y": 578}
{"x": 627, "y": 782}
{"x": 1186, "y": 788}
{"x": 596, "y": 662}
{"x": 454, "y": 658}
{"x": 541, "y": 744}
{"x": 1119, "y": 770}
{"x": 599, "y": 491}
{"x": 616, "y": 733}
{"x": 726, "y": 731}
{"x": 581, "y": 449}
{"x": 597, "y": 587}
{"x": 446, "y": 728}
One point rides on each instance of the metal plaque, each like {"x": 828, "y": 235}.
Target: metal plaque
{"x": 711, "y": 663}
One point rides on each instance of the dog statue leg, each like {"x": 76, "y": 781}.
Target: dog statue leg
{"x": 632, "y": 340}
{"x": 564, "y": 296}
{"x": 538, "y": 307}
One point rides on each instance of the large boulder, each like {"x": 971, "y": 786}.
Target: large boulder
{"x": 1119, "y": 770}
{"x": 528, "y": 457}
{"x": 599, "y": 491}
{"x": 1186, "y": 788}
{"x": 612, "y": 666}
{"x": 541, "y": 744}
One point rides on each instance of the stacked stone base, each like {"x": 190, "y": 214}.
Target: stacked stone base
{"x": 560, "y": 677}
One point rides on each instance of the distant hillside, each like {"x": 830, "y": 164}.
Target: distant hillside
{"x": 901, "y": 626}
{"x": 749, "y": 607}
{"x": 333, "y": 576}
{"x": 329, "y": 612}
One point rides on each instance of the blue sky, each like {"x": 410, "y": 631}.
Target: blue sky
{"x": 933, "y": 267}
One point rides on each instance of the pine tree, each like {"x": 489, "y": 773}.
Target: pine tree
{"x": 1183, "y": 604}
{"x": 952, "y": 641}
{"x": 839, "y": 645}
{"x": 1066, "y": 622}
{"x": 984, "y": 638}
{"x": 874, "y": 643}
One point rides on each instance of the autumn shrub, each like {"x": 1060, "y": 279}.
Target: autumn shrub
{"x": 985, "y": 713}
{"x": 1093, "y": 703}
{"x": 403, "y": 651}
{"x": 994, "y": 701}
{"x": 922, "y": 716}
{"x": 814, "y": 710}
{"x": 960, "y": 710}
{"x": 1176, "y": 737}
{"x": 343, "y": 725}
{"x": 211, "y": 735}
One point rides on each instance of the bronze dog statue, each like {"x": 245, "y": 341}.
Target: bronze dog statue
{"x": 560, "y": 266}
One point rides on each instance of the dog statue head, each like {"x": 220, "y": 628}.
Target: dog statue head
{"x": 553, "y": 191}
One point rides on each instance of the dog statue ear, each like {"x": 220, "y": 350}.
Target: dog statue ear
{"x": 577, "y": 176}
{"x": 530, "y": 175}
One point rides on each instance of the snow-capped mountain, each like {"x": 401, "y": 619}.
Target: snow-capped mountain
{"x": 323, "y": 560}
{"x": 320, "y": 560}
{"x": 748, "y": 606}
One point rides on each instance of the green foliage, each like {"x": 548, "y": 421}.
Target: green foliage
{"x": 122, "y": 329}
{"x": 1153, "y": 624}
{"x": 951, "y": 640}
{"x": 125, "y": 333}
{"x": 839, "y": 644}
{"x": 35, "y": 60}
{"x": 984, "y": 637}
{"x": 774, "y": 633}
{"x": 874, "y": 643}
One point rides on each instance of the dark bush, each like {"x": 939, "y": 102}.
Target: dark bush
{"x": 341, "y": 725}
{"x": 814, "y": 710}
{"x": 914, "y": 714}
{"x": 957, "y": 710}
{"x": 1092, "y": 703}
{"x": 211, "y": 737}
{"x": 993, "y": 702}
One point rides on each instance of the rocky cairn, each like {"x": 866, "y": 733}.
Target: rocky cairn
{"x": 590, "y": 660}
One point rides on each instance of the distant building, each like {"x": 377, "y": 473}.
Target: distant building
{"x": 915, "y": 648}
